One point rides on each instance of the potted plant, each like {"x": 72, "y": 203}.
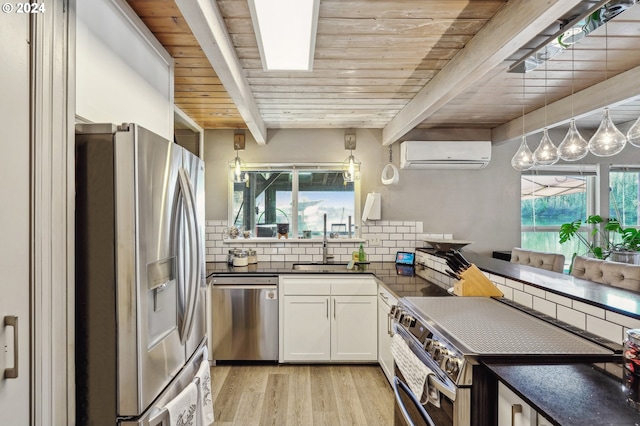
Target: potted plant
{"x": 622, "y": 246}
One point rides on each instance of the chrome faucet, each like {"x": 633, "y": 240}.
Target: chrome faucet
{"x": 325, "y": 255}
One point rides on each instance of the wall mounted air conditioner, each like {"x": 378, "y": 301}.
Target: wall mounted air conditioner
{"x": 444, "y": 154}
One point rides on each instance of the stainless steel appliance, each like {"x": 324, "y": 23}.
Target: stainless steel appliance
{"x": 140, "y": 274}
{"x": 245, "y": 318}
{"x": 451, "y": 335}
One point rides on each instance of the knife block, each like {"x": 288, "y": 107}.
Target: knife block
{"x": 475, "y": 283}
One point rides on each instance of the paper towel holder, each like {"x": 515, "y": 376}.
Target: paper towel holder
{"x": 372, "y": 207}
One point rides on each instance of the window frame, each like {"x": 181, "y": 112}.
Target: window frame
{"x": 295, "y": 169}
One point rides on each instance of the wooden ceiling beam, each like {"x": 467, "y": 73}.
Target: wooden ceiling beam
{"x": 619, "y": 89}
{"x": 207, "y": 24}
{"x": 514, "y": 25}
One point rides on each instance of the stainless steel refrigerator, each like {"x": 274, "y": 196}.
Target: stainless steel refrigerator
{"x": 140, "y": 273}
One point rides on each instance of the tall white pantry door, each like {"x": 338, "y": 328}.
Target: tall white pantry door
{"x": 15, "y": 219}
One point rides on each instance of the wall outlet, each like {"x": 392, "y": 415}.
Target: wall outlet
{"x": 374, "y": 242}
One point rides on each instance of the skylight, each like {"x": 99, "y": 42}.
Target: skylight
{"x": 286, "y": 33}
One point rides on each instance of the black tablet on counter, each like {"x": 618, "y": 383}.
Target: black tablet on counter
{"x": 404, "y": 263}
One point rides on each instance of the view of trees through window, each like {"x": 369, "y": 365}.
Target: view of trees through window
{"x": 549, "y": 201}
{"x": 267, "y": 199}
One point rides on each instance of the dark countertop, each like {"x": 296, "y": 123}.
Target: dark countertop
{"x": 400, "y": 285}
{"x": 619, "y": 300}
{"x": 575, "y": 394}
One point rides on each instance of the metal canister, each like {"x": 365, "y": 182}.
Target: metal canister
{"x": 230, "y": 256}
{"x": 252, "y": 256}
{"x": 631, "y": 354}
{"x": 631, "y": 351}
{"x": 240, "y": 258}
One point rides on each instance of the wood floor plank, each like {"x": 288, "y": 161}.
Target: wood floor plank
{"x": 252, "y": 416}
{"x": 350, "y": 410}
{"x": 373, "y": 387}
{"x": 299, "y": 405}
{"x": 323, "y": 395}
{"x": 275, "y": 404}
{"x": 218, "y": 376}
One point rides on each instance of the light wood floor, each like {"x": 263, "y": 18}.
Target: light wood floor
{"x": 301, "y": 395}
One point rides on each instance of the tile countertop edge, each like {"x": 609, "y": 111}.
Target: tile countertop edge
{"x": 593, "y": 398}
{"x": 591, "y": 293}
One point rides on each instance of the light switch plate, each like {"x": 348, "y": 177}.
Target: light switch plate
{"x": 374, "y": 242}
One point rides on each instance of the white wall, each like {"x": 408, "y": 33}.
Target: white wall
{"x": 123, "y": 74}
{"x": 477, "y": 205}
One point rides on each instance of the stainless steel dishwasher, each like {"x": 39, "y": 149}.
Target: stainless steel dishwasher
{"x": 245, "y": 317}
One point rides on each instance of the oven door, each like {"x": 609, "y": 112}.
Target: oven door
{"x": 408, "y": 410}
{"x": 405, "y": 399}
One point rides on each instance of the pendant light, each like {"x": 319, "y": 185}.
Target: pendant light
{"x": 237, "y": 168}
{"x": 523, "y": 158}
{"x": 351, "y": 165}
{"x": 607, "y": 140}
{"x": 546, "y": 153}
{"x": 633, "y": 135}
{"x": 573, "y": 147}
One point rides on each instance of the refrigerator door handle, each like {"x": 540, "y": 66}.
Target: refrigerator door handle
{"x": 195, "y": 262}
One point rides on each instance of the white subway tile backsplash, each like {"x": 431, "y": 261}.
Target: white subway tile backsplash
{"x": 403, "y": 229}
{"x": 560, "y": 300}
{"x": 605, "y": 329}
{"x": 622, "y": 320}
{"x": 523, "y": 298}
{"x": 375, "y": 229}
{"x": 588, "y": 309}
{"x": 389, "y": 229}
{"x": 535, "y": 291}
{"x": 544, "y": 306}
{"x": 419, "y": 227}
{"x": 396, "y": 223}
{"x": 571, "y": 316}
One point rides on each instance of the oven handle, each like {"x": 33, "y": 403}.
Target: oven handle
{"x": 448, "y": 390}
{"x": 399, "y": 384}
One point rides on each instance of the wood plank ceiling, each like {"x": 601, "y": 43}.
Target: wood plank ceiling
{"x": 373, "y": 57}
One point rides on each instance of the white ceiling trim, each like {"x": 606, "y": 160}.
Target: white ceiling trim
{"x": 513, "y": 26}
{"x": 619, "y": 89}
{"x": 208, "y": 27}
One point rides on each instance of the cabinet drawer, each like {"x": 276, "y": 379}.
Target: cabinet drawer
{"x": 354, "y": 286}
{"x": 305, "y": 287}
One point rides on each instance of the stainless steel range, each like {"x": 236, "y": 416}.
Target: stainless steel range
{"x": 451, "y": 335}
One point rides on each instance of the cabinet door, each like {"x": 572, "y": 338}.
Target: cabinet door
{"x": 354, "y": 328}
{"x": 307, "y": 328}
{"x": 513, "y": 410}
{"x": 385, "y": 357}
{"x": 14, "y": 220}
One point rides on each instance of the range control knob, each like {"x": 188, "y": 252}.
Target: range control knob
{"x": 452, "y": 367}
{"x": 408, "y": 321}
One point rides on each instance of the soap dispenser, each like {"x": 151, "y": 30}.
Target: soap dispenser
{"x": 361, "y": 255}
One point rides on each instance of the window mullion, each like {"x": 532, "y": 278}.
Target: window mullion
{"x": 294, "y": 204}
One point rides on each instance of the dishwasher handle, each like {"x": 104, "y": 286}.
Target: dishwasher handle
{"x": 244, "y": 287}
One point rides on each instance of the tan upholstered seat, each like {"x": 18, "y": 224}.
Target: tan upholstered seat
{"x": 549, "y": 261}
{"x": 615, "y": 274}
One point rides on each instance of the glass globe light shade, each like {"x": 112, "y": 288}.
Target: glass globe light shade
{"x": 573, "y": 147}
{"x": 633, "y": 135}
{"x": 238, "y": 171}
{"x": 523, "y": 158}
{"x": 351, "y": 169}
{"x": 546, "y": 153}
{"x": 607, "y": 140}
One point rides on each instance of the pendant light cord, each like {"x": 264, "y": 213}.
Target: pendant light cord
{"x": 523, "y": 90}
{"x": 572, "y": 78}
{"x": 545, "y": 85}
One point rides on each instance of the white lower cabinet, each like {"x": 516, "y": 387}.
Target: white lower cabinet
{"x": 327, "y": 318}
{"x": 385, "y": 357}
{"x": 307, "y": 329}
{"x": 514, "y": 411}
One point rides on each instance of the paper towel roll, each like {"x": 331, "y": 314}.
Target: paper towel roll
{"x": 371, "y": 210}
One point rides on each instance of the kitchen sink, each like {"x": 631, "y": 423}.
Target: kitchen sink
{"x": 319, "y": 267}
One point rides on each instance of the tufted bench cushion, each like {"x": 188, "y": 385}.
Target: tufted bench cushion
{"x": 615, "y": 274}
{"x": 549, "y": 261}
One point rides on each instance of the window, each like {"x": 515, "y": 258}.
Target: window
{"x": 623, "y": 197}
{"x": 550, "y": 198}
{"x": 295, "y": 199}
